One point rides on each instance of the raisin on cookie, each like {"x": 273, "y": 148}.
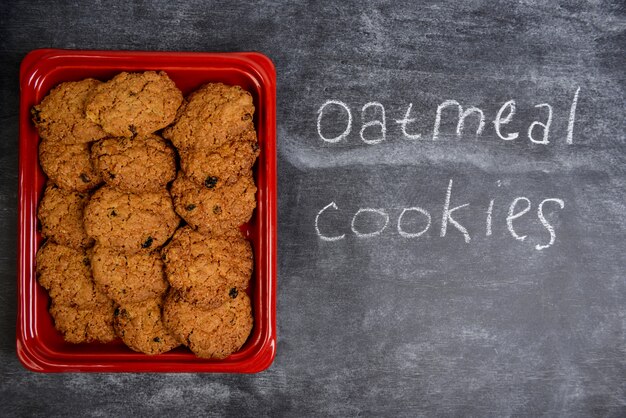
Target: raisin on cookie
{"x": 134, "y": 103}
{"x": 61, "y": 216}
{"x": 141, "y": 328}
{"x": 130, "y": 222}
{"x": 209, "y": 333}
{"x": 207, "y": 271}
{"x": 139, "y": 164}
{"x": 60, "y": 117}
{"x": 210, "y": 116}
{"x": 128, "y": 278}
{"x": 212, "y": 209}
{"x": 68, "y": 166}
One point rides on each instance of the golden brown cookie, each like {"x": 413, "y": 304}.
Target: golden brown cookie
{"x": 60, "y": 117}
{"x": 61, "y": 216}
{"x": 223, "y": 164}
{"x": 84, "y": 325}
{"x": 66, "y": 274}
{"x": 130, "y": 222}
{"x": 209, "y": 333}
{"x": 215, "y": 210}
{"x": 134, "y": 103}
{"x": 68, "y": 166}
{"x": 141, "y": 328}
{"x": 128, "y": 278}
{"x": 210, "y": 116}
{"x": 139, "y": 164}
{"x": 207, "y": 271}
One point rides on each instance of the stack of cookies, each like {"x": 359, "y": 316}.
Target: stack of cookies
{"x": 208, "y": 263}
{"x": 112, "y": 246}
{"x": 80, "y": 310}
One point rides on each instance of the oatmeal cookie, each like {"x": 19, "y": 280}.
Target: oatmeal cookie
{"x": 68, "y": 166}
{"x": 60, "y": 117}
{"x": 134, "y": 103}
{"x": 128, "y": 278}
{"x": 84, "y": 325}
{"x": 221, "y": 165}
{"x": 141, "y": 328}
{"x": 209, "y": 333}
{"x": 61, "y": 216}
{"x": 210, "y": 116}
{"x": 214, "y": 210}
{"x": 207, "y": 271}
{"x": 66, "y": 274}
{"x": 139, "y": 164}
{"x": 130, "y": 222}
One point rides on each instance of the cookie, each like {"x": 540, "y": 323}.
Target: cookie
{"x": 216, "y": 210}
{"x": 221, "y": 165}
{"x": 210, "y": 116}
{"x": 68, "y": 166}
{"x": 141, "y": 328}
{"x": 128, "y": 278}
{"x": 207, "y": 271}
{"x": 139, "y": 164}
{"x": 61, "y": 217}
{"x": 84, "y": 325}
{"x": 66, "y": 274}
{"x": 130, "y": 222}
{"x": 209, "y": 333}
{"x": 60, "y": 117}
{"x": 134, "y": 103}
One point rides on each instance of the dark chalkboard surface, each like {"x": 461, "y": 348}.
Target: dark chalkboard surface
{"x": 431, "y": 262}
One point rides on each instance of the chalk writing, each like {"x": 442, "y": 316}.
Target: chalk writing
{"x": 519, "y": 207}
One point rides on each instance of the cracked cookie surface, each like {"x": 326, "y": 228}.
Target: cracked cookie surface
{"x": 209, "y": 333}
{"x": 69, "y": 166}
{"x": 214, "y": 210}
{"x": 60, "y": 214}
{"x": 140, "y": 326}
{"x": 130, "y": 222}
{"x": 60, "y": 117}
{"x": 207, "y": 271}
{"x": 128, "y": 278}
{"x": 66, "y": 274}
{"x": 223, "y": 164}
{"x": 84, "y": 325}
{"x": 137, "y": 164}
{"x": 211, "y": 116}
{"x": 134, "y": 103}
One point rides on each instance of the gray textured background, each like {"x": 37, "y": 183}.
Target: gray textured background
{"x": 386, "y": 325}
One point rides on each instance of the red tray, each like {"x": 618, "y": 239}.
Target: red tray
{"x": 39, "y": 346}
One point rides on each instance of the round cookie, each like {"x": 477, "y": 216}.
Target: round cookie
{"x": 128, "y": 278}
{"x": 61, "y": 216}
{"x": 134, "y": 103}
{"x": 207, "y": 271}
{"x": 210, "y": 116}
{"x": 217, "y": 210}
{"x": 68, "y": 166}
{"x": 130, "y": 222}
{"x": 84, "y": 325}
{"x": 139, "y": 164}
{"x": 209, "y": 333}
{"x": 141, "y": 328}
{"x": 221, "y": 165}
{"x": 60, "y": 117}
{"x": 65, "y": 273}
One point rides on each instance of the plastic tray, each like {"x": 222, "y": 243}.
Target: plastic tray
{"x": 39, "y": 346}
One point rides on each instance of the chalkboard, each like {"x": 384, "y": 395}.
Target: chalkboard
{"x": 452, "y": 216}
